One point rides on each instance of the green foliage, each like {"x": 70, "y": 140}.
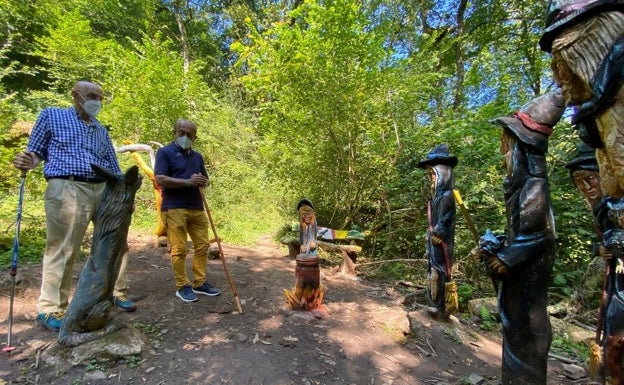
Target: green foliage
{"x": 153, "y": 331}
{"x": 32, "y": 227}
{"x": 563, "y": 345}
{"x": 465, "y": 293}
{"x": 96, "y": 364}
{"x": 488, "y": 320}
{"x": 452, "y": 335}
{"x": 133, "y": 361}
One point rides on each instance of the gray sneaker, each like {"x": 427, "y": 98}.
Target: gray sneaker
{"x": 206, "y": 289}
{"x": 186, "y": 294}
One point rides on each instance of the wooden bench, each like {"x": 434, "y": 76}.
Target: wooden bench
{"x": 345, "y": 242}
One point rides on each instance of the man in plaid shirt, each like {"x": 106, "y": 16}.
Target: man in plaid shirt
{"x": 68, "y": 141}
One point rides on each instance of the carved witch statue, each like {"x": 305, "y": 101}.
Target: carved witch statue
{"x": 523, "y": 259}
{"x": 308, "y": 292}
{"x": 610, "y": 323}
{"x": 586, "y": 39}
{"x": 441, "y": 290}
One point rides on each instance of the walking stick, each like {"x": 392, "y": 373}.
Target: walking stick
{"x": 471, "y": 226}
{"x": 221, "y": 254}
{"x": 13, "y": 271}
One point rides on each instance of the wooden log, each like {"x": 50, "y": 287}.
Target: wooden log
{"x": 339, "y": 248}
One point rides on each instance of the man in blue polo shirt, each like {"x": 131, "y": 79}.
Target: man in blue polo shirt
{"x": 68, "y": 141}
{"x": 181, "y": 173}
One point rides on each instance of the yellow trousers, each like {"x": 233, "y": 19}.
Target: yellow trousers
{"x": 182, "y": 223}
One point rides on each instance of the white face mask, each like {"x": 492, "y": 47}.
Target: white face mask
{"x": 92, "y": 107}
{"x": 184, "y": 141}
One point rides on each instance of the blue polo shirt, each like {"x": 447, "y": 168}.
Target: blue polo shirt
{"x": 174, "y": 162}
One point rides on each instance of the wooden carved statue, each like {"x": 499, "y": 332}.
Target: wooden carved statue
{"x": 584, "y": 173}
{"x": 523, "y": 258}
{"x": 609, "y": 215}
{"x": 308, "y": 292}
{"x": 88, "y": 317}
{"x": 610, "y": 323}
{"x": 586, "y": 40}
{"x": 441, "y": 290}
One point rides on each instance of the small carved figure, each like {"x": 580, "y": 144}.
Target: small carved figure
{"x": 308, "y": 292}
{"x": 308, "y": 228}
{"x": 584, "y": 173}
{"x": 441, "y": 290}
{"x": 523, "y": 259}
{"x": 87, "y": 317}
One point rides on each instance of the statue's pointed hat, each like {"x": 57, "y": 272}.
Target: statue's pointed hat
{"x": 585, "y": 159}
{"x": 439, "y": 155}
{"x": 562, "y": 14}
{"x": 533, "y": 123}
{"x": 305, "y": 202}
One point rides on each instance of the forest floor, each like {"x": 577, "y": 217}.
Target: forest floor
{"x": 362, "y": 341}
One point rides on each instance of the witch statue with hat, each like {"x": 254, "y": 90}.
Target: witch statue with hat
{"x": 309, "y": 291}
{"x": 610, "y": 323}
{"x": 523, "y": 258}
{"x": 441, "y": 290}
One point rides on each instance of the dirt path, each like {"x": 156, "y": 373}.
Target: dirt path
{"x": 362, "y": 342}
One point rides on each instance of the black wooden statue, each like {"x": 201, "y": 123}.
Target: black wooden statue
{"x": 441, "y": 290}
{"x": 88, "y": 317}
{"x": 523, "y": 258}
{"x": 609, "y": 215}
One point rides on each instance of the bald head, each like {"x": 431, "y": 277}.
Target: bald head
{"x": 84, "y": 91}
{"x": 90, "y": 91}
{"x": 185, "y": 127}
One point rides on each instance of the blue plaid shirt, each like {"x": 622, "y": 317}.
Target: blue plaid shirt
{"x": 68, "y": 145}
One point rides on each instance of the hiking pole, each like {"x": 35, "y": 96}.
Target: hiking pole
{"x": 471, "y": 226}
{"x": 221, "y": 254}
{"x": 13, "y": 271}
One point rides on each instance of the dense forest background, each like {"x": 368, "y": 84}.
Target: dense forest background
{"x": 333, "y": 100}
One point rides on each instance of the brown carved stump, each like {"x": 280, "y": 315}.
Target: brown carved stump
{"x": 308, "y": 292}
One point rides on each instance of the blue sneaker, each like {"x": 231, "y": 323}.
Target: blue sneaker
{"x": 123, "y": 303}
{"x": 186, "y": 294}
{"x": 51, "y": 321}
{"x": 206, "y": 289}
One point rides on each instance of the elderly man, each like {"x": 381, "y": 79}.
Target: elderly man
{"x": 68, "y": 141}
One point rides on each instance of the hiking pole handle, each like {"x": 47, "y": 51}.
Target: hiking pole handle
{"x": 221, "y": 254}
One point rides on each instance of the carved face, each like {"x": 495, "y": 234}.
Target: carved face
{"x": 506, "y": 149}
{"x": 306, "y": 215}
{"x": 433, "y": 179}
{"x": 575, "y": 90}
{"x": 588, "y": 183}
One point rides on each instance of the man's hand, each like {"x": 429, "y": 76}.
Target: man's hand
{"x": 198, "y": 180}
{"x": 26, "y": 160}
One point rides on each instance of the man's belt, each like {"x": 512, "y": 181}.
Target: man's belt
{"x": 78, "y": 178}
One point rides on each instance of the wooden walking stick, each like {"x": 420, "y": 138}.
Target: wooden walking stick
{"x": 471, "y": 226}
{"x": 221, "y": 254}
